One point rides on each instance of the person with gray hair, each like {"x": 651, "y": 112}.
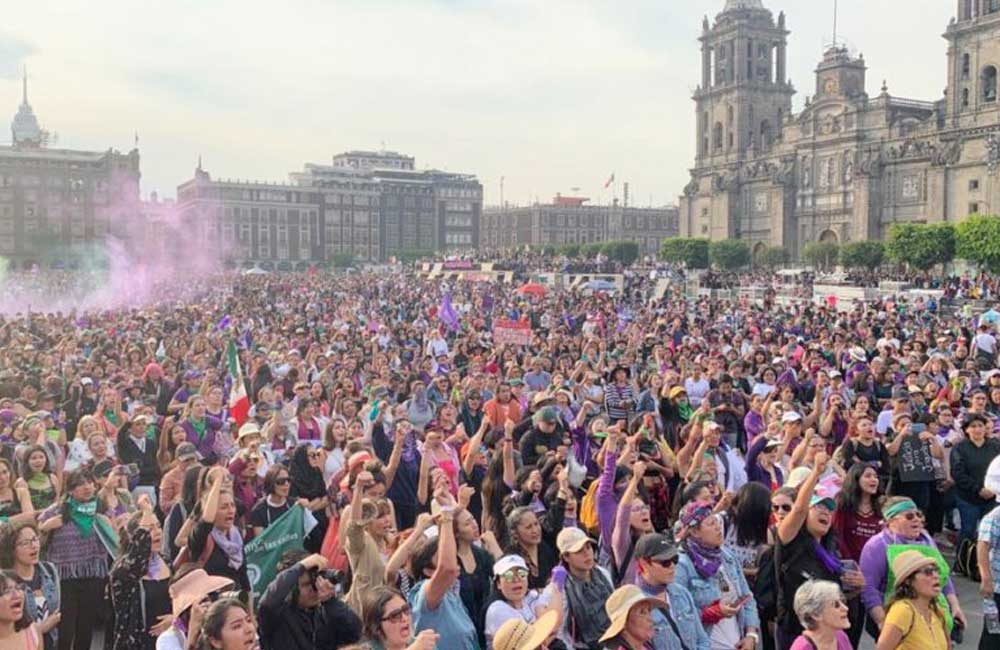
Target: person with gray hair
{"x": 822, "y": 610}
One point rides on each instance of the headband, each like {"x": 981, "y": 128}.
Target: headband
{"x": 694, "y": 513}
{"x": 899, "y": 508}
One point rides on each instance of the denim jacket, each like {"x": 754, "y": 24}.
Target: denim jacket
{"x": 686, "y": 616}
{"x": 50, "y": 589}
{"x": 705, "y": 592}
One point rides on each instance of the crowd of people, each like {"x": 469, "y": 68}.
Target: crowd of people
{"x": 673, "y": 474}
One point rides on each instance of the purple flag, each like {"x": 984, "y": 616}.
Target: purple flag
{"x": 447, "y": 314}
{"x": 222, "y": 324}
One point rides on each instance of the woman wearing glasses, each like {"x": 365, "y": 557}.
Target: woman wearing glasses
{"x": 388, "y": 623}
{"x": 513, "y": 598}
{"x": 904, "y": 530}
{"x": 20, "y": 547}
{"x": 306, "y": 473}
{"x": 14, "y": 633}
{"x": 822, "y": 610}
{"x": 915, "y": 619}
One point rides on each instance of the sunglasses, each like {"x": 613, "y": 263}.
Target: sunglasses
{"x": 781, "y": 507}
{"x": 396, "y": 615}
{"x": 514, "y": 574}
{"x": 666, "y": 564}
{"x": 282, "y": 481}
{"x": 930, "y": 571}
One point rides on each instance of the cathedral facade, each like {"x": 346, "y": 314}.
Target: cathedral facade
{"x": 849, "y": 165}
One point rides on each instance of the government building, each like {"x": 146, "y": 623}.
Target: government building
{"x": 848, "y": 165}
{"x": 53, "y": 200}
{"x": 364, "y": 205}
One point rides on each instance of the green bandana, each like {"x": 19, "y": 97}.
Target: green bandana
{"x": 199, "y": 427}
{"x": 685, "y": 411}
{"x": 111, "y": 417}
{"x": 82, "y": 515}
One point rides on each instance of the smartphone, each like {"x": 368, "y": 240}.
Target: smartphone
{"x": 918, "y": 427}
{"x": 130, "y": 470}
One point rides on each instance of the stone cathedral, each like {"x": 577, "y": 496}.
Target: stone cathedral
{"x": 849, "y": 164}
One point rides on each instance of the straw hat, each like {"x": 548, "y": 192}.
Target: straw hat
{"x": 515, "y": 634}
{"x": 907, "y": 563}
{"x": 620, "y": 603}
{"x": 194, "y": 586}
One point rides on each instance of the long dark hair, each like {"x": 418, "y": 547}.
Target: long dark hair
{"x": 190, "y": 488}
{"x": 26, "y": 470}
{"x": 750, "y": 512}
{"x": 75, "y": 479}
{"x": 849, "y": 499}
{"x": 215, "y": 620}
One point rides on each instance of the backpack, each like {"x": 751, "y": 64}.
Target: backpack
{"x": 765, "y": 587}
{"x": 588, "y": 509}
{"x": 965, "y": 560}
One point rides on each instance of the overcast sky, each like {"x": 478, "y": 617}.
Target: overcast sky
{"x": 551, "y": 94}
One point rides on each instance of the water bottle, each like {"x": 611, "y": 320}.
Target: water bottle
{"x": 991, "y": 616}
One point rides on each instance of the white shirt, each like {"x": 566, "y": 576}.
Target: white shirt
{"x": 501, "y": 611}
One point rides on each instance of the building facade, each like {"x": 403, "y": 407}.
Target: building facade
{"x": 54, "y": 199}
{"x": 366, "y": 205}
{"x": 848, "y": 165}
{"x": 569, "y": 220}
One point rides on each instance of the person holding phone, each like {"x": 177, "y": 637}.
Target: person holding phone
{"x": 714, "y": 578}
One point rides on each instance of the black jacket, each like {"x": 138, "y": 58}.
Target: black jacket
{"x": 129, "y": 452}
{"x": 968, "y": 468}
{"x": 286, "y": 626}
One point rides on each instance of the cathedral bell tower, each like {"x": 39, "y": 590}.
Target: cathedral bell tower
{"x": 744, "y": 94}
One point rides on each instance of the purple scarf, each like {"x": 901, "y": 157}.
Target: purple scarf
{"x": 232, "y": 545}
{"x": 706, "y": 560}
{"x": 829, "y": 560}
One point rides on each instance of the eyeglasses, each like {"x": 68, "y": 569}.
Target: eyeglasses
{"x": 7, "y": 592}
{"x": 514, "y": 574}
{"x": 931, "y": 570}
{"x": 282, "y": 481}
{"x": 781, "y": 507}
{"x": 640, "y": 507}
{"x": 666, "y": 564}
{"x": 31, "y": 541}
{"x": 840, "y": 602}
{"x": 396, "y": 615}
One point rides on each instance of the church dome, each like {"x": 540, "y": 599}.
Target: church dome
{"x": 732, "y": 5}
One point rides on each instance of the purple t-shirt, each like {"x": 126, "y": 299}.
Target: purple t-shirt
{"x": 802, "y": 643}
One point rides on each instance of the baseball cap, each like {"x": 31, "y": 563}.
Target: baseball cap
{"x": 571, "y": 540}
{"x": 900, "y": 393}
{"x": 508, "y": 562}
{"x": 186, "y": 451}
{"x": 791, "y": 416}
{"x": 656, "y": 546}
{"x": 820, "y": 500}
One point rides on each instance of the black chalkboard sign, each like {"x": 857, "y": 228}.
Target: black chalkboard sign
{"x": 914, "y": 460}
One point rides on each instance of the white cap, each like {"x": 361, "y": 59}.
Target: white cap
{"x": 791, "y": 416}
{"x": 508, "y": 562}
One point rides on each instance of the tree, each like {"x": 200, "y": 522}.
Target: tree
{"x": 862, "y": 255}
{"x": 413, "y": 255}
{"x": 692, "y": 252}
{"x": 921, "y": 246}
{"x": 774, "y": 256}
{"x": 570, "y": 250}
{"x": 729, "y": 254}
{"x": 342, "y": 260}
{"x": 625, "y": 252}
{"x": 820, "y": 254}
{"x": 977, "y": 239}
{"x": 592, "y": 249}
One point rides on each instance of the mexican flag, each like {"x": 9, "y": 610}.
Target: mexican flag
{"x": 239, "y": 404}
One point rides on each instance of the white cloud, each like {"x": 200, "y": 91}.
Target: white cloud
{"x": 551, "y": 94}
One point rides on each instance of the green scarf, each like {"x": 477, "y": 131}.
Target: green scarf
{"x": 82, "y": 515}
{"x": 199, "y": 427}
{"x": 111, "y": 417}
{"x": 685, "y": 411}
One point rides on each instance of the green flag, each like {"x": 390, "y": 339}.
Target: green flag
{"x": 264, "y": 552}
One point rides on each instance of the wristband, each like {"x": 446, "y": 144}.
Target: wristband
{"x": 755, "y": 637}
